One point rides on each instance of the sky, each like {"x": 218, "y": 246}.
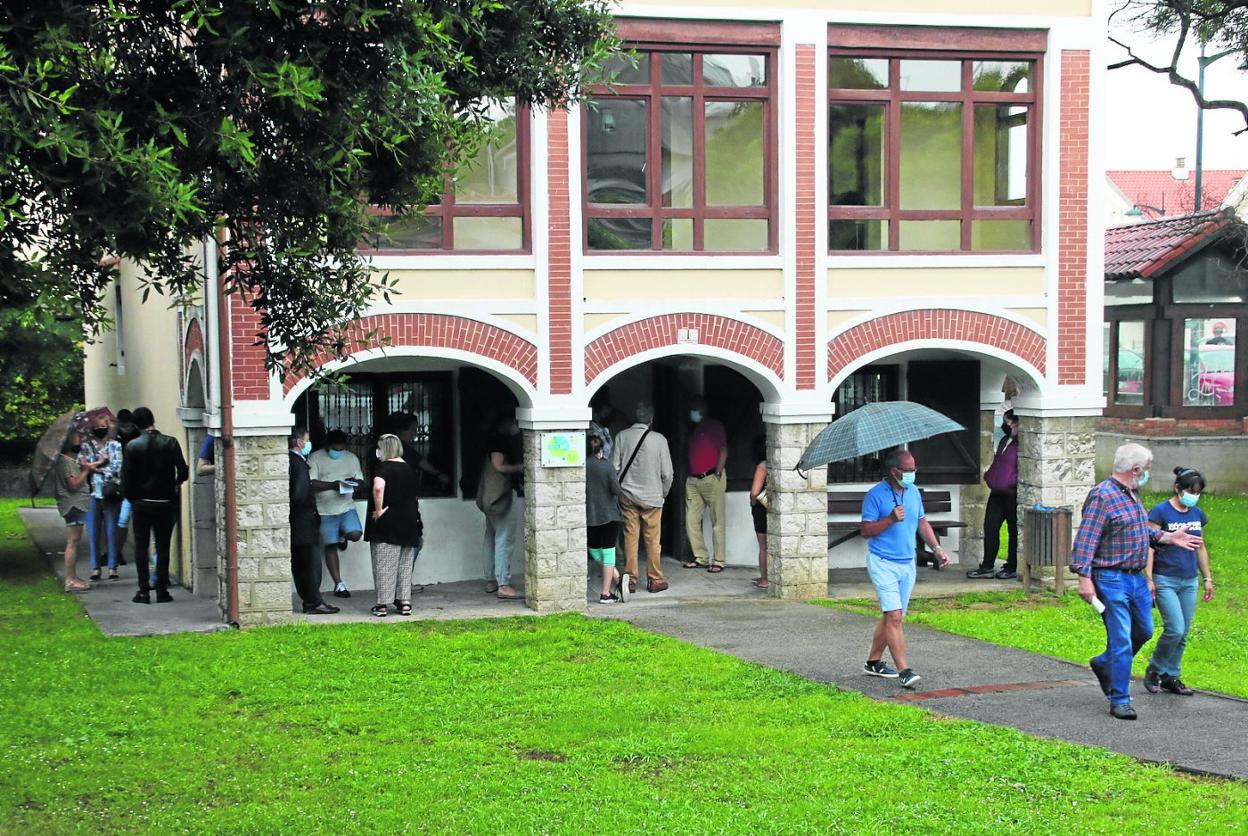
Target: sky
{"x": 1152, "y": 121}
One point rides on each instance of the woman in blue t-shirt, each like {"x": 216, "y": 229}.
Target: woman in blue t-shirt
{"x": 1173, "y": 578}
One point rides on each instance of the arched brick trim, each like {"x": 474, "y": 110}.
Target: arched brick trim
{"x": 935, "y": 324}
{"x": 662, "y": 331}
{"x": 423, "y": 330}
{"x": 192, "y": 348}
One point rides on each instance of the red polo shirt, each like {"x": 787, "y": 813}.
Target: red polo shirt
{"x": 707, "y": 439}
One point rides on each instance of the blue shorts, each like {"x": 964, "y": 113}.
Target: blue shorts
{"x": 75, "y": 517}
{"x": 335, "y": 528}
{"x": 893, "y": 582}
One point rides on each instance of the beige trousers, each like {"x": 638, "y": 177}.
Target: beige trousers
{"x": 701, "y": 495}
{"x": 639, "y": 521}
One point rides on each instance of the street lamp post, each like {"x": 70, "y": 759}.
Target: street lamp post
{"x": 1203, "y": 62}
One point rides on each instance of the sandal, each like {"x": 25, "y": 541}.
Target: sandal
{"x": 762, "y": 583}
{"x": 715, "y": 570}
{"x": 693, "y": 564}
{"x": 112, "y": 576}
{"x": 404, "y": 607}
{"x": 76, "y": 585}
{"x": 379, "y": 610}
{"x": 95, "y": 575}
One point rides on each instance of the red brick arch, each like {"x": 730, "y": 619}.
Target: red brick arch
{"x": 662, "y": 331}
{"x": 424, "y": 330}
{"x": 192, "y": 342}
{"x": 935, "y": 324}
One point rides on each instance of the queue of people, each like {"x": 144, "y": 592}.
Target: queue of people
{"x": 116, "y": 475}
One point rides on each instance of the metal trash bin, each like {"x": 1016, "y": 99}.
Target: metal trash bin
{"x": 1047, "y": 542}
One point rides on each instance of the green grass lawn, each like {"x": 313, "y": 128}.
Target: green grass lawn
{"x": 1217, "y": 649}
{"x": 558, "y": 724}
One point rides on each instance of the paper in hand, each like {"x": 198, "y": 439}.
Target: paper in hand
{"x": 1097, "y": 605}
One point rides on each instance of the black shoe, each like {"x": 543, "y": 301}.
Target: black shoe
{"x": 1006, "y": 575}
{"x": 341, "y": 593}
{"x": 981, "y": 573}
{"x": 1122, "y": 712}
{"x": 342, "y": 545}
{"x": 908, "y": 678}
{"x": 878, "y": 668}
{"x": 1152, "y": 680}
{"x": 163, "y": 597}
{"x": 321, "y": 609}
{"x": 1102, "y": 675}
{"x": 1175, "y": 686}
{"x": 142, "y": 598}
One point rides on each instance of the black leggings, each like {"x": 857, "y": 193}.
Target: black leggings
{"x": 602, "y": 536}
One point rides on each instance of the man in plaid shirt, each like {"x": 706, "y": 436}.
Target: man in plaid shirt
{"x": 1109, "y": 555}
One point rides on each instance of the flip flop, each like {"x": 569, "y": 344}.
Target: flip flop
{"x": 693, "y": 564}
{"x": 759, "y": 583}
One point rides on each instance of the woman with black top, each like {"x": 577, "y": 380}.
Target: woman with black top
{"x": 394, "y": 529}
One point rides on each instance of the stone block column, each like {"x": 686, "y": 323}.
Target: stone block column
{"x": 1056, "y": 463}
{"x": 263, "y": 492}
{"x": 554, "y": 526}
{"x": 797, "y": 513}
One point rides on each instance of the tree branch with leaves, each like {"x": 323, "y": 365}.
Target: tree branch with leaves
{"x": 1222, "y": 24}
{"x": 136, "y": 129}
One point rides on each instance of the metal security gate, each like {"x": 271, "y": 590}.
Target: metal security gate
{"x": 363, "y": 406}
{"x": 870, "y": 384}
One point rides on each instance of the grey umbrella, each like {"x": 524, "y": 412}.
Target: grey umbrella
{"x": 874, "y": 427}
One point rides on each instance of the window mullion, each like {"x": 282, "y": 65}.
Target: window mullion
{"x": 892, "y": 155}
{"x": 968, "y": 155}
{"x": 699, "y": 155}
{"x": 654, "y": 152}
{"x": 448, "y": 214}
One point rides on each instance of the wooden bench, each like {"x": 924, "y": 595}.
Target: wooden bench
{"x": 850, "y": 502}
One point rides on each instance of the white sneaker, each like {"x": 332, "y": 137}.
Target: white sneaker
{"x": 622, "y": 588}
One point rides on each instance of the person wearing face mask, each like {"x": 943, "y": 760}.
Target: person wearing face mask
{"x": 104, "y": 454}
{"x": 892, "y": 514}
{"x": 504, "y": 517}
{"x": 305, "y": 563}
{"x": 1173, "y": 578}
{"x": 336, "y": 473}
{"x": 705, "y": 487}
{"x": 1002, "y": 481}
{"x": 1109, "y": 556}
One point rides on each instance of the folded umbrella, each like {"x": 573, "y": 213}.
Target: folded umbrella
{"x": 874, "y": 427}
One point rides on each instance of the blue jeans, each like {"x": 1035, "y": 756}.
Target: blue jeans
{"x": 1176, "y": 601}
{"x": 102, "y": 531}
{"x": 1128, "y": 620}
{"x": 502, "y": 533}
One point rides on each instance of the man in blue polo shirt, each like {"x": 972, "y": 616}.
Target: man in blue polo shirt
{"x": 892, "y": 513}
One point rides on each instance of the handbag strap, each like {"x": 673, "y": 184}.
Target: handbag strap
{"x": 636, "y": 450}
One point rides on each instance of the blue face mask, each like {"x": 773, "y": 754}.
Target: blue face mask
{"x": 306, "y": 448}
{"x": 695, "y": 415}
{"x": 335, "y": 454}
{"x": 1144, "y": 478}
{"x": 1189, "y": 500}
{"x": 907, "y": 477}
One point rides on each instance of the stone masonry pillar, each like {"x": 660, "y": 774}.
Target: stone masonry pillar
{"x": 263, "y": 493}
{"x": 554, "y": 526}
{"x": 1056, "y": 464}
{"x": 797, "y": 513}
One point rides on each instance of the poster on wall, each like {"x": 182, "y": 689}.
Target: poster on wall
{"x": 563, "y": 449}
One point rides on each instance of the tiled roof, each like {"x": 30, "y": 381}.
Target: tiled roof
{"x": 1144, "y": 249}
{"x": 1159, "y": 189}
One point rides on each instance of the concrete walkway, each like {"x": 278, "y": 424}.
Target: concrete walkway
{"x": 965, "y": 678}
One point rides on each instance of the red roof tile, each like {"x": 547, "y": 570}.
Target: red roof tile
{"x": 1159, "y": 189}
{"x": 1142, "y": 250}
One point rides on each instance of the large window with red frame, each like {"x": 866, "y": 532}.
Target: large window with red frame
{"x": 485, "y": 206}
{"x": 933, "y": 151}
{"x": 679, "y": 152}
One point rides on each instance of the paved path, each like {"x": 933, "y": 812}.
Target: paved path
{"x": 965, "y": 678}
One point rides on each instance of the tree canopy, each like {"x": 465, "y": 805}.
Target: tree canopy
{"x": 1220, "y": 25}
{"x": 136, "y": 128}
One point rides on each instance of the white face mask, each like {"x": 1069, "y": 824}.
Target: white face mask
{"x": 695, "y": 415}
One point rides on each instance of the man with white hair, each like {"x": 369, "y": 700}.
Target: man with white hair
{"x": 1109, "y": 555}
{"x": 644, "y": 463}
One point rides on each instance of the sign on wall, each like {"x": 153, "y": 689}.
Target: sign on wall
{"x": 563, "y": 449}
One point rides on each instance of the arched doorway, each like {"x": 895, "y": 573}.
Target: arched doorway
{"x": 456, "y": 400}
{"x": 972, "y": 384}
{"x": 205, "y": 569}
{"x": 734, "y": 392}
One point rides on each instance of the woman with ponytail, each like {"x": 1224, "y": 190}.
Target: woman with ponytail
{"x": 602, "y": 520}
{"x": 1173, "y": 575}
